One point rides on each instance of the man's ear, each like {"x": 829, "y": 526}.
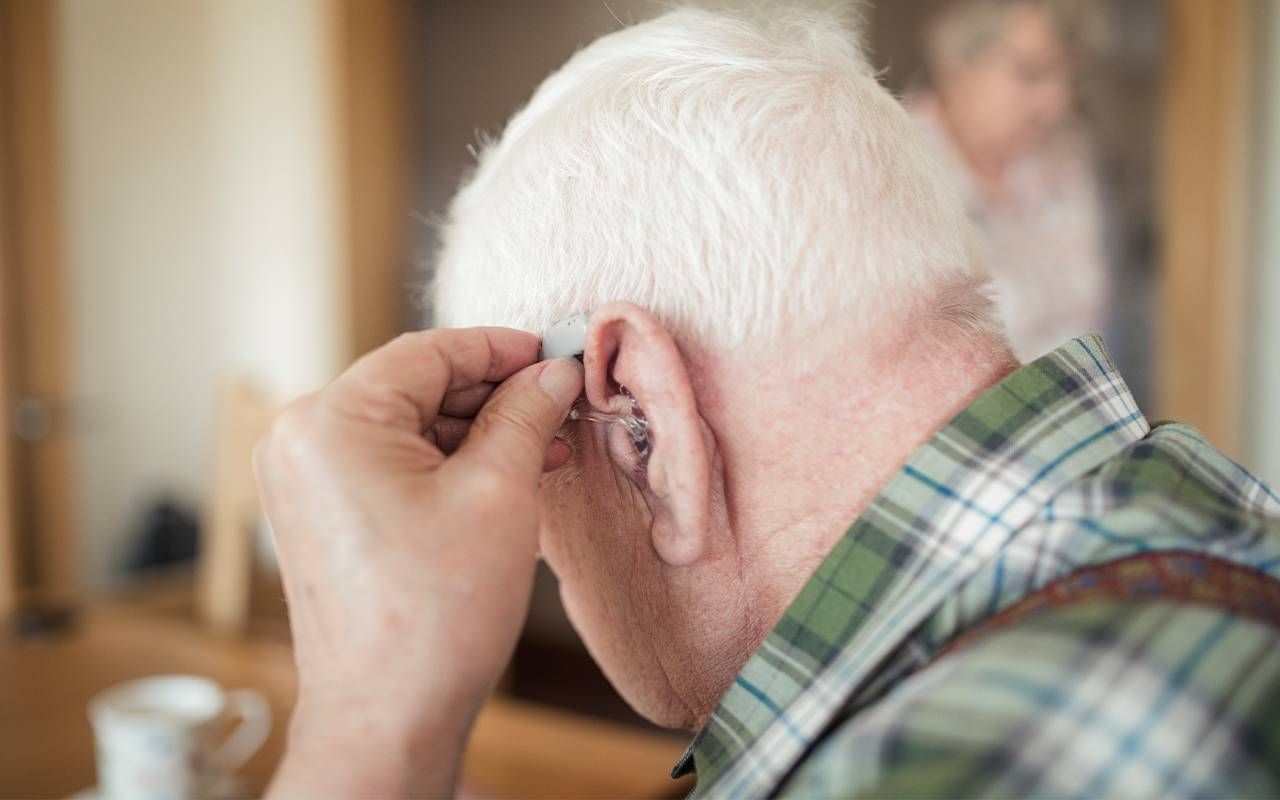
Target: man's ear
{"x": 628, "y": 346}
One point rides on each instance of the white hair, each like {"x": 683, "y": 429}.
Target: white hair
{"x": 741, "y": 174}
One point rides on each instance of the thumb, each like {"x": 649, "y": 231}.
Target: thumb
{"x": 512, "y": 431}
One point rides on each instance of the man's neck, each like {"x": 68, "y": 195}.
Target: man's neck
{"x": 798, "y": 474}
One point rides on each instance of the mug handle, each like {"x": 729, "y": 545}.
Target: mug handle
{"x": 255, "y": 723}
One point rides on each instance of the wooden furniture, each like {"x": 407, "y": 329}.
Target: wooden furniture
{"x": 46, "y": 745}
{"x": 232, "y": 511}
{"x": 517, "y": 750}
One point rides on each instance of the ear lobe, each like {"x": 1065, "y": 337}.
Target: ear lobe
{"x": 628, "y": 346}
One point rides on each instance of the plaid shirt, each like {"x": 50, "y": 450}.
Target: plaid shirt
{"x": 1051, "y": 471}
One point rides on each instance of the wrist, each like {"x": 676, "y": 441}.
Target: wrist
{"x": 357, "y": 751}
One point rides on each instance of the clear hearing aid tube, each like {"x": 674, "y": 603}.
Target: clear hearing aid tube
{"x": 634, "y": 423}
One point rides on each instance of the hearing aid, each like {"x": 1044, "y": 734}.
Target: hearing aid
{"x": 568, "y": 339}
{"x": 565, "y": 339}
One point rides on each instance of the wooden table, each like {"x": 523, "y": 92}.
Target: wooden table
{"x": 518, "y": 749}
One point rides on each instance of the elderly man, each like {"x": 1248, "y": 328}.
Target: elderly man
{"x": 859, "y": 548}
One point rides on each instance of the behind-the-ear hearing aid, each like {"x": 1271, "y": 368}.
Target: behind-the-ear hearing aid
{"x": 567, "y": 339}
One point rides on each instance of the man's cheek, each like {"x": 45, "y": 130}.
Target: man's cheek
{"x": 569, "y": 518}
{"x": 556, "y": 516}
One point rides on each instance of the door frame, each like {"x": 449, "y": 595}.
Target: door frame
{"x": 372, "y": 56}
{"x": 1204, "y": 202}
{"x": 39, "y": 552}
{"x": 8, "y": 494}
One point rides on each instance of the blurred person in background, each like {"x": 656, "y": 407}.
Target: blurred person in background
{"x": 999, "y": 112}
{"x": 859, "y": 548}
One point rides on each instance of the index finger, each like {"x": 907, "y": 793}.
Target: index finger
{"x": 417, "y": 369}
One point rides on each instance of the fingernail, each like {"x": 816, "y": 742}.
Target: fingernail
{"x": 562, "y": 379}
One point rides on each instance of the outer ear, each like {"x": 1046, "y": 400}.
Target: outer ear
{"x": 628, "y": 346}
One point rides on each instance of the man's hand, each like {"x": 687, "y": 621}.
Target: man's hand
{"x": 407, "y": 552}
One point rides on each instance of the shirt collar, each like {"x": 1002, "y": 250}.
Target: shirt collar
{"x": 956, "y": 503}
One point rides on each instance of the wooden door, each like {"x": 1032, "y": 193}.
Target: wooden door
{"x": 8, "y": 508}
{"x": 38, "y": 553}
{"x": 1204, "y": 215}
{"x": 373, "y": 81}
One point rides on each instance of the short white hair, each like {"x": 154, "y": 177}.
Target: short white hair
{"x": 739, "y": 173}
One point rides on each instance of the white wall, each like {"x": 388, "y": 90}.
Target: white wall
{"x": 1262, "y": 390}
{"x": 202, "y": 215}
{"x": 276, "y": 209}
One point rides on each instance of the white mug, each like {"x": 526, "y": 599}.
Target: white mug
{"x": 165, "y": 736}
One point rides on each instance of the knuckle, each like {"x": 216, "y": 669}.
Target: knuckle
{"x": 295, "y": 431}
{"x": 474, "y": 349}
{"x": 383, "y": 404}
{"x": 292, "y": 423}
{"x": 414, "y": 347}
{"x": 417, "y": 343}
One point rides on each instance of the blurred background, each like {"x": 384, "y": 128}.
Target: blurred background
{"x": 208, "y": 207}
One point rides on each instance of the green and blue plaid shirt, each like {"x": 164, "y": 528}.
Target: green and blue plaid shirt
{"x": 868, "y": 685}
